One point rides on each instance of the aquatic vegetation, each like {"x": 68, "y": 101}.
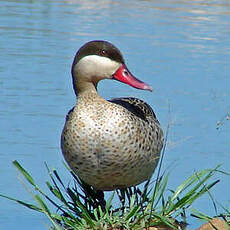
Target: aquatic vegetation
{"x": 77, "y": 205}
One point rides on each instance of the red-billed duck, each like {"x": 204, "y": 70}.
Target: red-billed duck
{"x": 109, "y": 144}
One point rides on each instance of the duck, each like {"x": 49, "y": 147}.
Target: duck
{"x": 109, "y": 144}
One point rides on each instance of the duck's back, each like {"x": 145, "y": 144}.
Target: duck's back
{"x": 136, "y": 106}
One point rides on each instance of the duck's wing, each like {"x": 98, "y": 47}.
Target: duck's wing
{"x": 136, "y": 106}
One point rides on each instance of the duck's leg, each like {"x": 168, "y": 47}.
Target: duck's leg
{"x": 93, "y": 198}
{"x": 121, "y": 196}
{"x": 101, "y": 199}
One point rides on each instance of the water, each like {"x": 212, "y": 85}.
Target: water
{"x": 181, "y": 48}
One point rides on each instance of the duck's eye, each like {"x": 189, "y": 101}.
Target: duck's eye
{"x": 103, "y": 52}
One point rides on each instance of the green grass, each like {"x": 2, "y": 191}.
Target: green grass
{"x": 78, "y": 205}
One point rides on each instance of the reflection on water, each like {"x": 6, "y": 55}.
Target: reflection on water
{"x": 184, "y": 51}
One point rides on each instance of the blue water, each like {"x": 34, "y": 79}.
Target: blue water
{"x": 181, "y": 48}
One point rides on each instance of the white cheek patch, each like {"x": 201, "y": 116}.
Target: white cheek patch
{"x": 97, "y": 66}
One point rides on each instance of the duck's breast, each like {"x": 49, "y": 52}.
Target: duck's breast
{"x": 107, "y": 141}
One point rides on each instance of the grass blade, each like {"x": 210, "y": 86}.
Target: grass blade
{"x": 28, "y": 205}
{"x": 24, "y": 173}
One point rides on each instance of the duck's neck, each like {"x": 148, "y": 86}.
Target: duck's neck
{"x": 84, "y": 88}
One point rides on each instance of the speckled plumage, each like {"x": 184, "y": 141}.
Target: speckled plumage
{"x": 111, "y": 144}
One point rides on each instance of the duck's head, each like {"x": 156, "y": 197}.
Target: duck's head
{"x": 97, "y": 60}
